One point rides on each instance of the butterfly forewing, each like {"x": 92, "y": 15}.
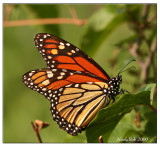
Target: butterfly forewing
{"x": 63, "y": 55}
{"x": 45, "y": 81}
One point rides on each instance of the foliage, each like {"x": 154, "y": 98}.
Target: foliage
{"x": 108, "y": 118}
{"x": 114, "y": 34}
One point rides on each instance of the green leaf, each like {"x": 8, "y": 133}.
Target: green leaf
{"x": 108, "y": 118}
{"x": 153, "y": 140}
{"x": 99, "y": 29}
{"x": 151, "y": 126}
{"x": 127, "y": 128}
{"x": 115, "y": 8}
{"x": 44, "y": 11}
{"x": 149, "y": 87}
{"x": 130, "y": 39}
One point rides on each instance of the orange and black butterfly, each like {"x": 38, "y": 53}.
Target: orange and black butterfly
{"x": 76, "y": 86}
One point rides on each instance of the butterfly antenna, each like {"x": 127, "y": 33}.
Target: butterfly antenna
{"x": 127, "y": 69}
{"x": 126, "y": 65}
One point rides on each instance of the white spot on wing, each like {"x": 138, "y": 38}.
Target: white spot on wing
{"x": 60, "y": 77}
{"x": 43, "y": 89}
{"x": 46, "y": 82}
{"x": 72, "y": 51}
{"x": 50, "y": 75}
{"x": 54, "y": 69}
{"x": 62, "y": 73}
{"x": 76, "y": 85}
{"x": 60, "y": 89}
{"x": 68, "y": 44}
{"x": 61, "y": 43}
{"x": 30, "y": 74}
{"x": 49, "y": 57}
{"x": 90, "y": 82}
{"x": 64, "y": 70}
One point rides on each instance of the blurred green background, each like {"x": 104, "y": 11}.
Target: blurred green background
{"x": 111, "y": 34}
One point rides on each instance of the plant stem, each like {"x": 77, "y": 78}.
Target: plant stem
{"x": 42, "y": 21}
{"x": 153, "y": 108}
{"x": 100, "y": 139}
{"x": 37, "y": 132}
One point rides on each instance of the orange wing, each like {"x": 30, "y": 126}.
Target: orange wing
{"x": 75, "y": 97}
{"x": 63, "y": 55}
{"x": 75, "y": 105}
{"x": 46, "y": 80}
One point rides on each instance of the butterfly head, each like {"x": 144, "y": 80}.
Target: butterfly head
{"x": 114, "y": 86}
{"x": 114, "y": 83}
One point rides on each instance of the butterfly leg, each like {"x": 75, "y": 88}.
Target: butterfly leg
{"x": 123, "y": 91}
{"x": 113, "y": 100}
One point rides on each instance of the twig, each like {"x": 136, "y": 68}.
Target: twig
{"x": 37, "y": 132}
{"x": 145, "y": 11}
{"x": 138, "y": 120}
{"x": 152, "y": 18}
{"x": 133, "y": 49}
{"x": 74, "y": 14}
{"x": 40, "y": 124}
{"x": 44, "y": 21}
{"x": 8, "y": 9}
{"x": 100, "y": 139}
{"x": 154, "y": 110}
{"x": 144, "y": 65}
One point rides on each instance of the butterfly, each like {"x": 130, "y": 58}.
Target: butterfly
{"x": 76, "y": 86}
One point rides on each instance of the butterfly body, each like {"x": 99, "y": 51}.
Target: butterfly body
{"x": 76, "y": 86}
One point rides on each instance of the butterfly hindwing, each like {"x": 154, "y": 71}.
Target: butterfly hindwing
{"x": 74, "y": 106}
{"x": 60, "y": 54}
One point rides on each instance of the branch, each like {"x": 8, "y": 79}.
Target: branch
{"x": 7, "y": 11}
{"x": 138, "y": 120}
{"x": 37, "y": 132}
{"x": 100, "y": 139}
{"x": 154, "y": 110}
{"x": 133, "y": 49}
{"x": 152, "y": 18}
{"x": 44, "y": 21}
{"x": 74, "y": 14}
{"x": 144, "y": 65}
{"x": 145, "y": 11}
